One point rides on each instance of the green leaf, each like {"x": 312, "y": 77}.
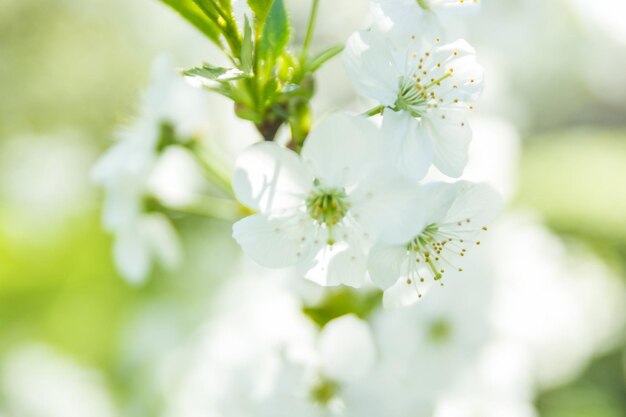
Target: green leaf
{"x": 192, "y": 13}
{"x": 320, "y": 59}
{"x": 342, "y": 301}
{"x": 247, "y": 48}
{"x": 221, "y": 13}
{"x": 275, "y": 35}
{"x": 212, "y": 73}
{"x": 261, "y": 9}
{"x": 226, "y": 5}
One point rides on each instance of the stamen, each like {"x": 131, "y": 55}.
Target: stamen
{"x": 327, "y": 207}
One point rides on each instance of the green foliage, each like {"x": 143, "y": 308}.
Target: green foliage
{"x": 65, "y": 295}
{"x": 247, "y": 49}
{"x": 212, "y": 73}
{"x": 321, "y": 58}
{"x": 599, "y": 392}
{"x": 276, "y": 33}
{"x": 343, "y": 301}
{"x": 221, "y": 14}
{"x": 261, "y": 9}
{"x": 194, "y": 15}
{"x": 269, "y": 85}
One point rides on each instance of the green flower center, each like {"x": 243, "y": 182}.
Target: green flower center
{"x": 324, "y": 392}
{"x": 440, "y": 331}
{"x": 418, "y": 93}
{"x": 327, "y": 206}
{"x": 411, "y": 99}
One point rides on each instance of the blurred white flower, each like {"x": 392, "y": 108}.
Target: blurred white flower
{"x": 170, "y": 100}
{"x": 123, "y": 171}
{"x": 256, "y": 358}
{"x": 422, "y": 349}
{"x": 176, "y": 180}
{"x": 474, "y": 348}
{"x": 347, "y": 348}
{"x": 262, "y": 356}
{"x": 320, "y": 211}
{"x": 426, "y": 90}
{"x": 452, "y": 216}
{"x": 148, "y": 238}
{"x": 38, "y": 382}
{"x": 562, "y": 308}
{"x": 171, "y": 112}
{"x": 498, "y": 383}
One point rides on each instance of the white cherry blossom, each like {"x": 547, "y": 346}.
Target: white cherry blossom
{"x": 401, "y": 17}
{"x": 171, "y": 112}
{"x": 320, "y": 211}
{"x": 454, "y": 215}
{"x": 426, "y": 89}
{"x": 422, "y": 350}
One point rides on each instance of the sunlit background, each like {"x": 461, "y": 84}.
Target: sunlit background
{"x": 550, "y": 133}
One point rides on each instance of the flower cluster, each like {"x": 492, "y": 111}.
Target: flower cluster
{"x": 345, "y": 202}
{"x": 352, "y": 207}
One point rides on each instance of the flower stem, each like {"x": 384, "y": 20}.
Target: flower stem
{"x": 217, "y": 208}
{"x": 309, "y": 30}
{"x": 213, "y": 173}
{"x": 423, "y": 4}
{"x": 373, "y": 112}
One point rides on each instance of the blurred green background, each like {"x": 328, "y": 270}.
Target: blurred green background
{"x": 71, "y": 71}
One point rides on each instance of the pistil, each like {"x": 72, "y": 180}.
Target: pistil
{"x": 327, "y": 207}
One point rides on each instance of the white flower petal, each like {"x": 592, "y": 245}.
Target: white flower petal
{"x": 339, "y": 264}
{"x": 131, "y": 255}
{"x": 465, "y": 81}
{"x": 148, "y": 238}
{"x": 479, "y": 203}
{"x": 163, "y": 240}
{"x": 368, "y": 61}
{"x": 402, "y": 294}
{"x": 468, "y": 5}
{"x": 171, "y": 99}
{"x": 270, "y": 178}
{"x": 438, "y": 198}
{"x": 123, "y": 204}
{"x": 409, "y": 149}
{"x": 274, "y": 243}
{"x": 386, "y": 264}
{"x": 404, "y": 20}
{"x": 347, "y": 348}
{"x": 388, "y": 207}
{"x": 450, "y": 135}
{"x": 342, "y": 149}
